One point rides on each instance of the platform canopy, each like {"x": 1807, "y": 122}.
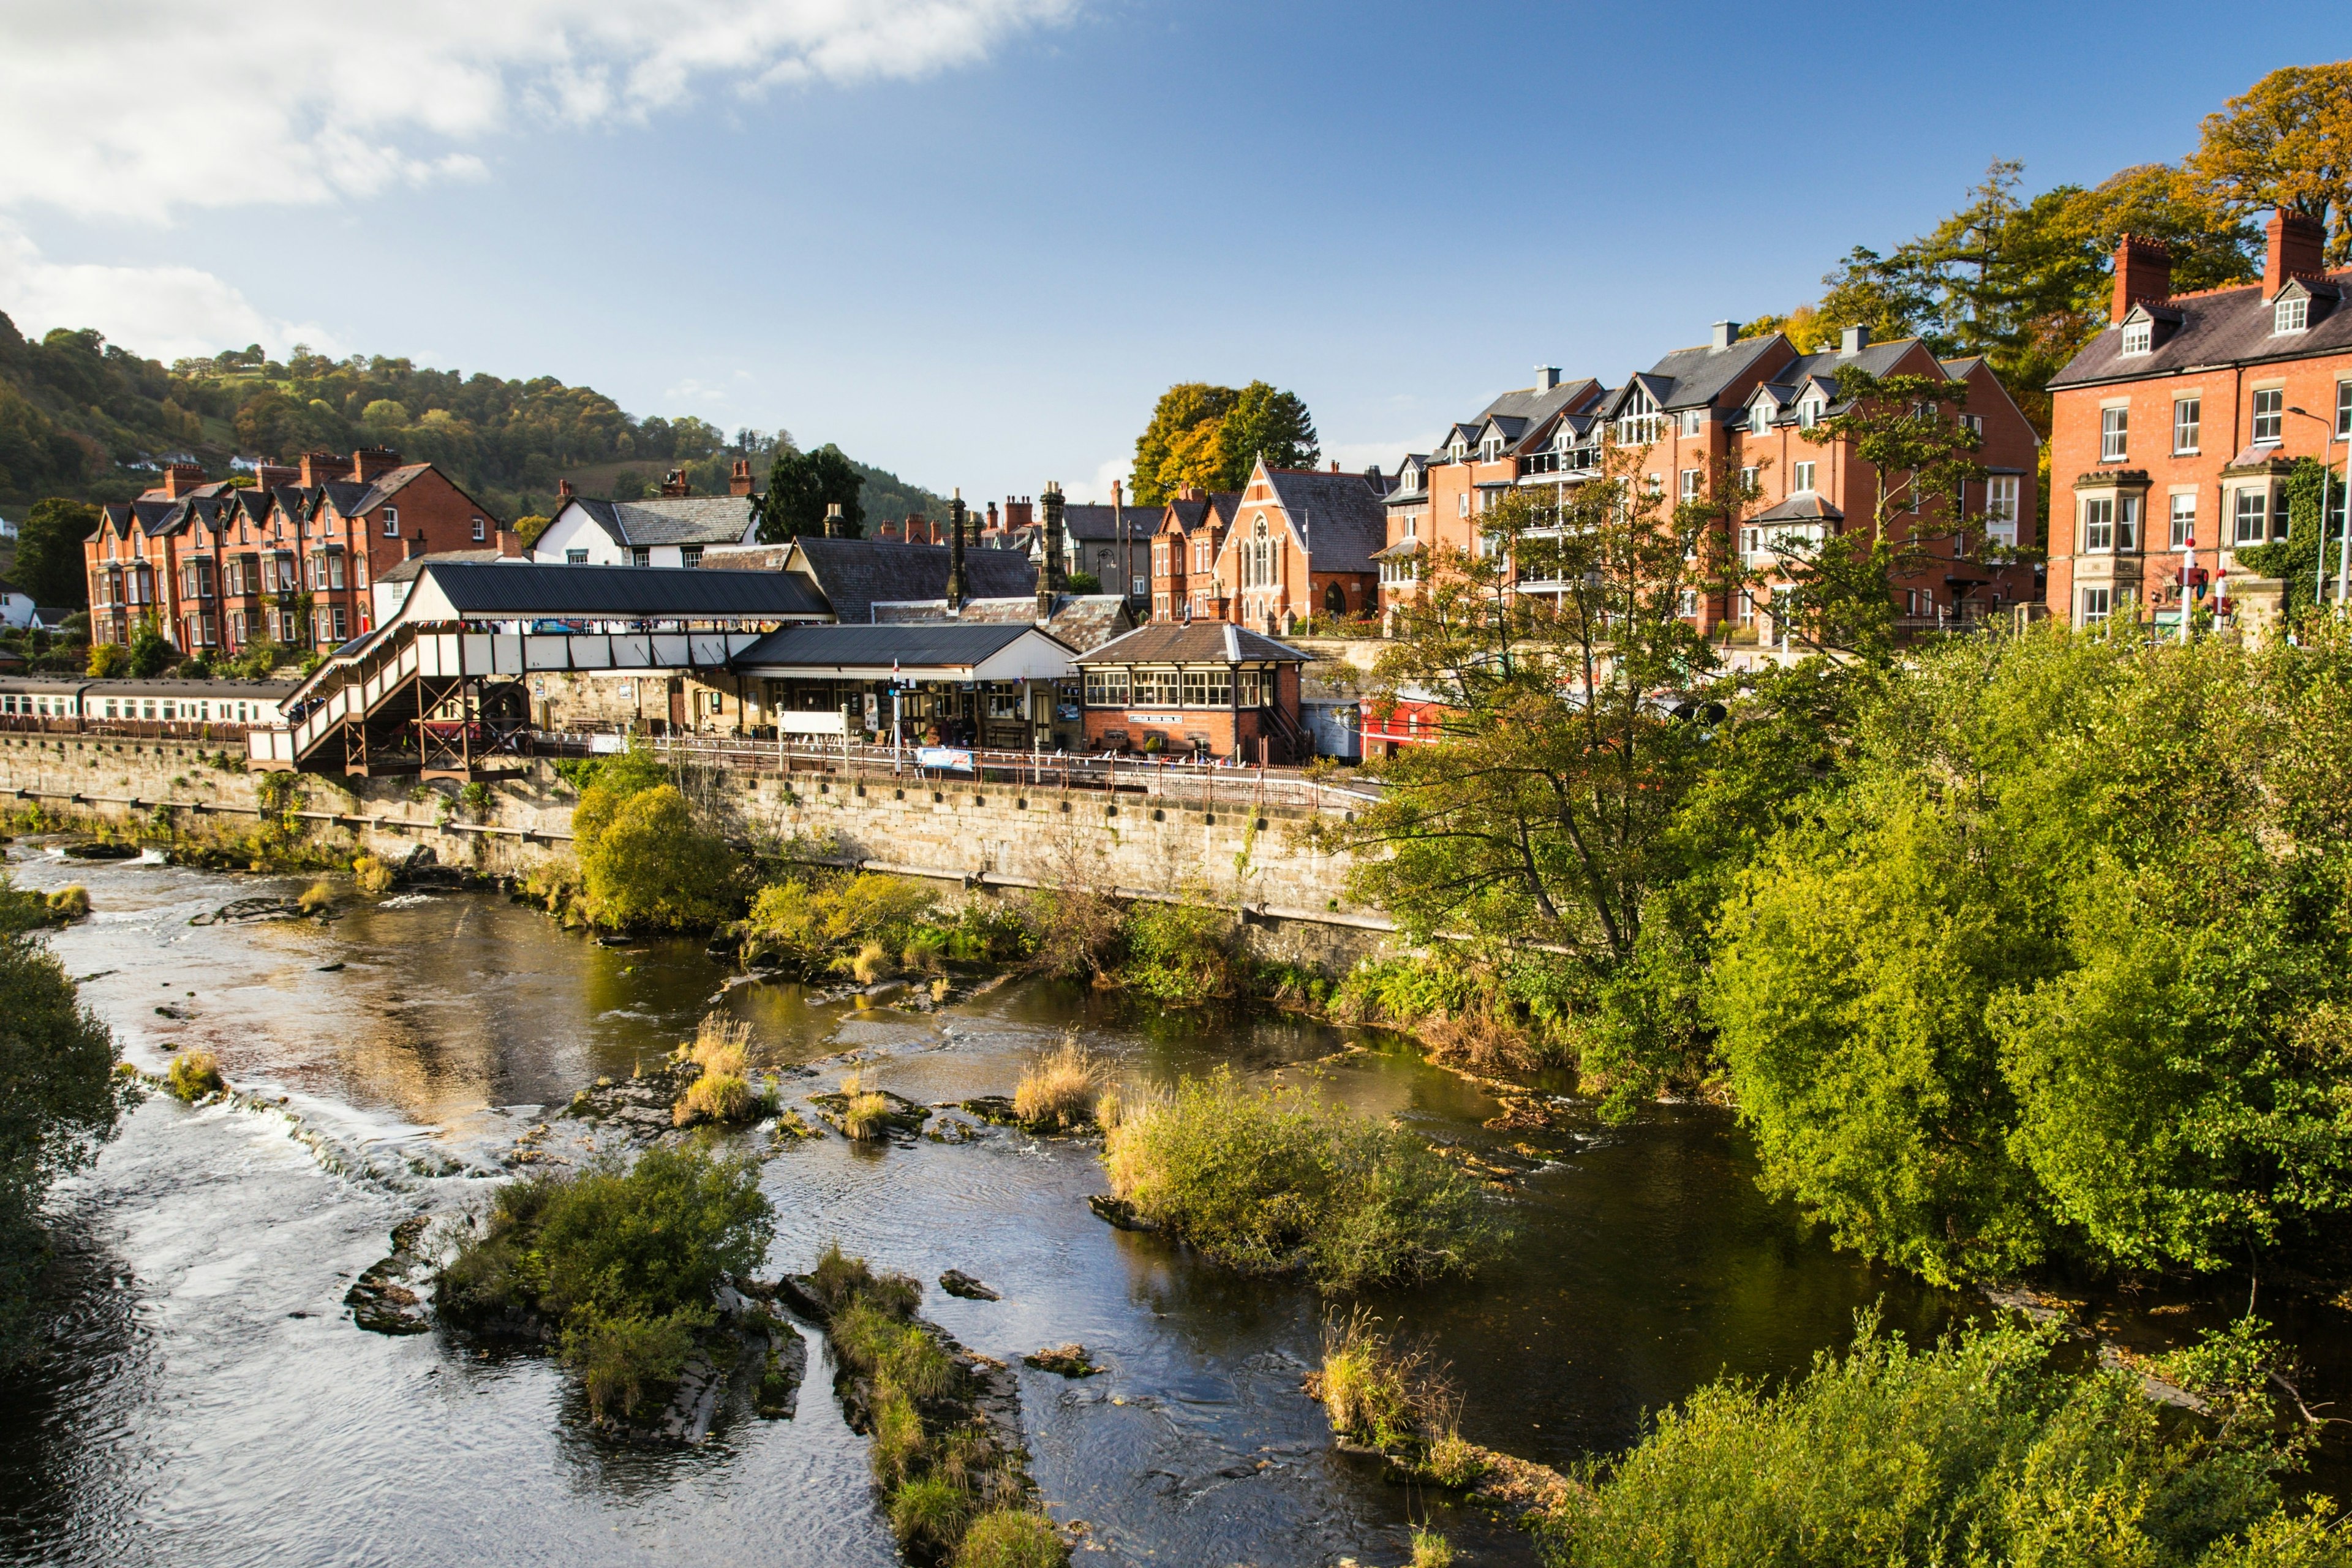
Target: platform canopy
{"x": 487, "y": 591}
{"x": 913, "y": 653}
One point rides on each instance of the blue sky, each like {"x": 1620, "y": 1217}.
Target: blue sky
{"x": 972, "y": 240}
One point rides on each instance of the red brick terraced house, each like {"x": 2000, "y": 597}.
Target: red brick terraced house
{"x": 1733, "y": 404}
{"x": 220, "y": 567}
{"x": 1184, "y": 550}
{"x": 2179, "y": 422}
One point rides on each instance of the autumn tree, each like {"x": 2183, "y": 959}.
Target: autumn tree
{"x": 2286, "y": 142}
{"x": 1210, "y": 435}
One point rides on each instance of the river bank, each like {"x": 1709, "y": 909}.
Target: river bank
{"x": 188, "y": 1408}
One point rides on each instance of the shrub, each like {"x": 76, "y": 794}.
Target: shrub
{"x": 1179, "y": 954}
{"x": 925, "y": 950}
{"x": 1431, "y": 1549}
{"x": 194, "y": 1074}
{"x": 1452, "y": 1462}
{"x": 866, "y": 1117}
{"x": 1275, "y": 1179}
{"x": 838, "y": 1279}
{"x": 374, "y": 877}
{"x": 872, "y": 963}
{"x": 646, "y": 862}
{"x": 1377, "y": 1394}
{"x": 646, "y": 1242}
{"x": 69, "y": 904}
{"x": 810, "y": 927}
{"x": 1058, "y": 1091}
{"x": 316, "y": 897}
{"x": 108, "y": 660}
{"x": 1011, "y": 1538}
{"x": 621, "y": 1358}
{"x": 1988, "y": 1447}
{"x": 715, "y": 1097}
{"x": 1077, "y": 933}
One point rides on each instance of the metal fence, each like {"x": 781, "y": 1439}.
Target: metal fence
{"x": 1204, "y": 786}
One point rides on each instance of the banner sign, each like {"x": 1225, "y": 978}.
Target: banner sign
{"x": 943, "y": 757}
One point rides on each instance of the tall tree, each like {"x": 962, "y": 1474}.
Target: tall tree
{"x": 2286, "y": 142}
{"x": 1264, "y": 423}
{"x": 802, "y": 485}
{"x": 1181, "y": 445}
{"x": 48, "y": 551}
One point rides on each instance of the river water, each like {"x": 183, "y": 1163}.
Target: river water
{"x": 209, "y": 1400}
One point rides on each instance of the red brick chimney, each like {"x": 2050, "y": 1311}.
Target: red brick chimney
{"x": 1188, "y": 492}
{"x": 2297, "y": 248}
{"x": 510, "y": 543}
{"x": 563, "y": 490}
{"x": 269, "y": 476}
{"x": 2143, "y": 272}
{"x": 739, "y": 479}
{"x": 414, "y": 546}
{"x": 321, "y": 468}
{"x": 370, "y": 461}
{"x": 1017, "y": 512}
{"x": 674, "y": 484}
{"x": 180, "y": 479}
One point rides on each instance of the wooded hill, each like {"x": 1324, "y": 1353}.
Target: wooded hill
{"x": 79, "y": 415}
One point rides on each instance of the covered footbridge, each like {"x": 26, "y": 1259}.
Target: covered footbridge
{"x": 439, "y": 690}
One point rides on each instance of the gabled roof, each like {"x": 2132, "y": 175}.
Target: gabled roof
{"x": 1338, "y": 519}
{"x": 1697, "y": 376}
{"x": 1100, "y": 522}
{"x": 2225, "y": 327}
{"x": 1804, "y": 507}
{"x": 948, "y": 644}
{"x": 852, "y": 573}
{"x": 498, "y": 590}
{"x": 1875, "y": 359}
{"x": 668, "y": 519}
{"x": 1531, "y": 404}
{"x": 1197, "y": 642}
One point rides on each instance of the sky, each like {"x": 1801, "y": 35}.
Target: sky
{"x": 970, "y": 241}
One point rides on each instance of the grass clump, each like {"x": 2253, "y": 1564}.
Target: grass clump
{"x": 1059, "y": 1090}
{"x": 315, "y": 897}
{"x": 1986, "y": 1448}
{"x": 1452, "y": 1462}
{"x": 872, "y": 963}
{"x": 1271, "y": 1180}
{"x": 373, "y": 877}
{"x": 715, "y": 1097}
{"x": 194, "y": 1075}
{"x": 838, "y": 1280}
{"x": 1011, "y": 1538}
{"x": 1431, "y": 1549}
{"x": 621, "y": 1263}
{"x": 721, "y": 1092}
{"x": 67, "y": 905}
{"x": 866, "y": 1117}
{"x": 1379, "y": 1394}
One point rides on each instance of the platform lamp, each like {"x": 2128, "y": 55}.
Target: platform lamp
{"x": 2343, "y": 553}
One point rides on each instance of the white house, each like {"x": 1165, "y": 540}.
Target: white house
{"x": 666, "y": 531}
{"x": 16, "y": 609}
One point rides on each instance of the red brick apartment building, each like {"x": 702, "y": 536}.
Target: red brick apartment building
{"x": 221, "y": 567}
{"x": 1745, "y": 404}
{"x": 2172, "y": 430}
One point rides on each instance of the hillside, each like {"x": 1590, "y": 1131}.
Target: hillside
{"x": 83, "y": 417}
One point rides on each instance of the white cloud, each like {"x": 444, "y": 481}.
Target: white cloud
{"x": 242, "y": 102}
{"x": 1114, "y": 469}
{"x": 162, "y": 312}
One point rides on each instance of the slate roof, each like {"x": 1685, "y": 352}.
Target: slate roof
{"x": 852, "y": 573}
{"x": 1198, "y": 642}
{"x": 498, "y": 589}
{"x": 1339, "y": 518}
{"x": 1092, "y": 523}
{"x": 1804, "y": 507}
{"x": 952, "y": 642}
{"x": 1082, "y": 620}
{"x": 1532, "y": 403}
{"x": 1696, "y": 377}
{"x": 671, "y": 519}
{"x": 2228, "y": 326}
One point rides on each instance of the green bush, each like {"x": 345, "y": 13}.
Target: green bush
{"x": 1011, "y": 1538}
{"x": 816, "y": 926}
{"x": 620, "y": 1359}
{"x": 927, "y": 1514}
{"x": 1273, "y": 1179}
{"x": 838, "y": 1279}
{"x": 1985, "y": 1449}
{"x": 108, "y": 660}
{"x": 194, "y": 1073}
{"x": 645, "y": 862}
{"x": 1179, "y": 954}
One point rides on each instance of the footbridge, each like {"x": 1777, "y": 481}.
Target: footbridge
{"x": 439, "y": 690}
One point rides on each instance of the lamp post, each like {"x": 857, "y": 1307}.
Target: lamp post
{"x": 2343, "y": 554}
{"x": 2188, "y": 569}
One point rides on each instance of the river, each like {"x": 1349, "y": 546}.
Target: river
{"x": 208, "y": 1399}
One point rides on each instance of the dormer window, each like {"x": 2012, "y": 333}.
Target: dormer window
{"x": 2291, "y": 314}
{"x": 2139, "y": 337}
{"x": 1640, "y": 422}
{"x": 1692, "y": 419}
{"x": 1490, "y": 449}
{"x": 1759, "y": 417}
{"x": 1808, "y": 413}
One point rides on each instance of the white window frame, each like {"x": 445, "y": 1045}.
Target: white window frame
{"x": 2139, "y": 337}
{"x": 2343, "y": 409}
{"x": 2275, "y": 417}
{"x": 1759, "y": 416}
{"x": 2188, "y": 425}
{"x": 2103, "y": 599}
{"x": 2115, "y": 433}
{"x": 2001, "y": 509}
{"x": 2240, "y": 514}
{"x": 2183, "y": 513}
{"x": 2292, "y": 314}
{"x": 1694, "y": 422}
{"x": 1691, "y": 480}
{"x": 2098, "y": 525}
{"x": 1801, "y": 479}
{"x": 1808, "y": 413}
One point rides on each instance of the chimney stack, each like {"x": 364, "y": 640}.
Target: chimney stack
{"x": 674, "y": 484}
{"x": 955, "y": 554}
{"x": 321, "y": 469}
{"x": 1017, "y": 513}
{"x": 1188, "y": 492}
{"x": 1853, "y": 340}
{"x": 413, "y": 547}
{"x": 1547, "y": 377}
{"x": 180, "y": 479}
{"x": 2143, "y": 272}
{"x": 370, "y": 461}
{"x": 831, "y": 520}
{"x": 739, "y": 479}
{"x": 510, "y": 543}
{"x": 993, "y": 524}
{"x": 1050, "y": 581}
{"x": 1724, "y": 335}
{"x": 269, "y": 476}
{"x": 564, "y": 492}
{"x": 2297, "y": 248}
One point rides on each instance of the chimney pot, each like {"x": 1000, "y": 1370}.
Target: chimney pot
{"x": 674, "y": 484}
{"x": 1547, "y": 377}
{"x": 1726, "y": 333}
{"x": 2143, "y": 271}
{"x": 2296, "y": 248}
{"x": 1853, "y": 340}
{"x": 563, "y": 490}
{"x": 739, "y": 479}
